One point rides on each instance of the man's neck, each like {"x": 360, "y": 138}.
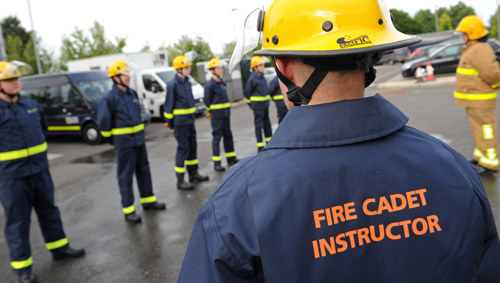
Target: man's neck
{"x": 122, "y": 88}
{"x": 7, "y": 98}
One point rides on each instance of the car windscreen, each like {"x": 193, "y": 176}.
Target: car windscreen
{"x": 94, "y": 90}
{"x": 166, "y": 76}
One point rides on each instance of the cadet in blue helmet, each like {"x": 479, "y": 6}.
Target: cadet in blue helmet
{"x": 25, "y": 180}
{"x": 219, "y": 111}
{"x": 121, "y": 124}
{"x": 345, "y": 191}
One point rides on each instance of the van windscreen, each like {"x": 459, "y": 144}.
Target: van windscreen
{"x": 166, "y": 76}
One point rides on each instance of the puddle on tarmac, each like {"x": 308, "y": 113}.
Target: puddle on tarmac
{"x": 107, "y": 156}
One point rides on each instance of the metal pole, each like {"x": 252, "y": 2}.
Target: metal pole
{"x": 436, "y": 17}
{"x": 498, "y": 21}
{"x": 33, "y": 35}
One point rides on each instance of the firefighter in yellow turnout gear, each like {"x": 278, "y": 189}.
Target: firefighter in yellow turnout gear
{"x": 478, "y": 80}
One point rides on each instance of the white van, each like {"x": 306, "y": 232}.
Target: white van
{"x": 151, "y": 86}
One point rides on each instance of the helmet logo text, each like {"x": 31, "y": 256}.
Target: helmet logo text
{"x": 346, "y": 42}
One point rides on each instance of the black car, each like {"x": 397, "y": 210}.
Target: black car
{"x": 444, "y": 60}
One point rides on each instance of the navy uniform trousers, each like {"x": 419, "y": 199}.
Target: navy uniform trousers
{"x": 221, "y": 128}
{"x": 262, "y": 122}
{"x": 186, "y": 150}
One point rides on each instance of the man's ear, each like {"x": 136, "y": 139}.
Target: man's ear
{"x": 285, "y": 66}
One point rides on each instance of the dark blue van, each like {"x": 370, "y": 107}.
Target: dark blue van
{"x": 70, "y": 101}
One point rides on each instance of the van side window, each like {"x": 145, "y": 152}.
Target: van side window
{"x": 148, "y": 81}
{"x": 48, "y": 96}
{"x": 69, "y": 95}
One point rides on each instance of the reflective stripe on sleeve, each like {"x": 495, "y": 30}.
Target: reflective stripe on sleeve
{"x": 168, "y": 115}
{"x": 278, "y": 97}
{"x": 63, "y": 128}
{"x": 467, "y": 72}
{"x": 260, "y": 98}
{"x": 21, "y": 153}
{"x": 184, "y": 111}
{"x": 219, "y": 106}
{"x": 128, "y": 130}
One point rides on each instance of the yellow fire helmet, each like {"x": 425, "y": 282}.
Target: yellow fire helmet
{"x": 117, "y": 68}
{"x": 181, "y": 62}
{"x": 8, "y": 71}
{"x": 256, "y": 61}
{"x": 215, "y": 62}
{"x": 473, "y": 27}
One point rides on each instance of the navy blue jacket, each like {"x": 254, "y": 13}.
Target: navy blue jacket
{"x": 275, "y": 92}
{"x": 119, "y": 117}
{"x": 355, "y": 196}
{"x": 257, "y": 92}
{"x": 179, "y": 103}
{"x": 216, "y": 99}
{"x": 23, "y": 149}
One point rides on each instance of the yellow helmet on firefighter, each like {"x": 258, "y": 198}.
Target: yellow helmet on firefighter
{"x": 329, "y": 28}
{"x": 117, "y": 68}
{"x": 181, "y": 62}
{"x": 473, "y": 27}
{"x": 215, "y": 62}
{"x": 256, "y": 61}
{"x": 8, "y": 71}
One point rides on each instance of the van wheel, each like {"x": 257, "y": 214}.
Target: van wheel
{"x": 91, "y": 134}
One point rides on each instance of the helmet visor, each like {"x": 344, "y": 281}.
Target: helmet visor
{"x": 250, "y": 38}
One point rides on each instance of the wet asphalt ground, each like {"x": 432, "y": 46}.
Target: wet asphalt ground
{"x": 152, "y": 251}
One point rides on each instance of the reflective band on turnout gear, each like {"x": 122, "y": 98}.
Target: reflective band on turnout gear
{"x": 57, "y": 244}
{"x": 123, "y": 131}
{"x": 467, "y": 72}
{"x": 180, "y": 112}
{"x": 231, "y": 154}
{"x": 216, "y": 158}
{"x": 64, "y": 128}
{"x": 489, "y": 159}
{"x": 487, "y": 132}
{"x": 150, "y": 199}
{"x": 260, "y": 144}
{"x": 496, "y": 85}
{"x": 219, "y": 106}
{"x": 180, "y": 169}
{"x": 278, "y": 97}
{"x": 128, "y": 210}
{"x": 21, "y": 153}
{"x": 22, "y": 263}
{"x": 191, "y": 162}
{"x": 476, "y": 96}
{"x": 260, "y": 98}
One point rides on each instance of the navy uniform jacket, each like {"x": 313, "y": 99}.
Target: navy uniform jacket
{"x": 355, "y": 196}
{"x": 179, "y": 103}
{"x": 275, "y": 92}
{"x": 119, "y": 117}
{"x": 216, "y": 100}
{"x": 257, "y": 92}
{"x": 23, "y": 149}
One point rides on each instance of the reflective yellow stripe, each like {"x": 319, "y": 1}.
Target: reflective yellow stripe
{"x": 216, "y": 158}
{"x": 128, "y": 210}
{"x": 150, "y": 199}
{"x": 184, "y": 111}
{"x": 268, "y": 139}
{"x": 168, "y": 115}
{"x": 64, "y": 128}
{"x": 22, "y": 263}
{"x": 106, "y": 134}
{"x": 260, "y": 144}
{"x": 180, "y": 169}
{"x": 278, "y": 97}
{"x": 57, "y": 244}
{"x": 128, "y": 130}
{"x": 21, "y": 153}
{"x": 477, "y": 153}
{"x": 231, "y": 154}
{"x": 248, "y": 101}
{"x": 467, "y": 72}
{"x": 487, "y": 132}
{"x": 489, "y": 159}
{"x": 496, "y": 85}
{"x": 191, "y": 162}
{"x": 219, "y": 106}
{"x": 475, "y": 96}
{"x": 260, "y": 98}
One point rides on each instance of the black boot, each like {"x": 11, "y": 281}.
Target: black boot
{"x": 196, "y": 177}
{"x": 219, "y": 168}
{"x": 69, "y": 253}
{"x": 133, "y": 217}
{"x": 154, "y": 206}
{"x": 183, "y": 185}
{"x": 26, "y": 278}
{"x": 232, "y": 161}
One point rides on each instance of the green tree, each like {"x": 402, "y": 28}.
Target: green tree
{"x": 494, "y": 24}
{"x": 445, "y": 22}
{"x": 426, "y": 20}
{"x": 458, "y": 11}
{"x": 12, "y": 26}
{"x": 186, "y": 44}
{"x": 78, "y": 45}
{"x": 404, "y": 23}
{"x": 228, "y": 49}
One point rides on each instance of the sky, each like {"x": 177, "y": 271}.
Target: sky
{"x": 163, "y": 22}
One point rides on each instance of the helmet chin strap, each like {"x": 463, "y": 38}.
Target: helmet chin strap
{"x": 12, "y": 97}
{"x": 302, "y": 95}
{"x": 121, "y": 83}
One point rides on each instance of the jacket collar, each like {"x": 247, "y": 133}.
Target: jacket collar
{"x": 21, "y": 100}
{"x": 338, "y": 123}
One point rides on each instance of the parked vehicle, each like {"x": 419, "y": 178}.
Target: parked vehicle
{"x": 444, "y": 59}
{"x": 423, "y": 51}
{"x": 394, "y": 56}
{"x": 70, "y": 101}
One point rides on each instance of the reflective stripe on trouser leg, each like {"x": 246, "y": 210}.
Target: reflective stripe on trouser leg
{"x": 483, "y": 124}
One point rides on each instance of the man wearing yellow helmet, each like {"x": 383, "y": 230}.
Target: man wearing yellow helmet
{"x": 478, "y": 80}
{"x": 344, "y": 191}
{"x": 219, "y": 111}
{"x": 179, "y": 115}
{"x": 25, "y": 180}
{"x": 119, "y": 116}
{"x": 257, "y": 95}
